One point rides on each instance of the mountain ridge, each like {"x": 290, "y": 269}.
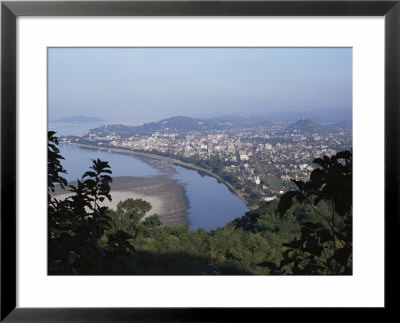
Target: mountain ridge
{"x": 183, "y": 125}
{"x": 304, "y": 125}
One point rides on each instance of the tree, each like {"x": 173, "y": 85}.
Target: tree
{"x": 133, "y": 211}
{"x": 77, "y": 223}
{"x": 54, "y": 167}
{"x": 324, "y": 247}
{"x": 130, "y": 217}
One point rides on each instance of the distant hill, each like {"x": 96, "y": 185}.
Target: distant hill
{"x": 322, "y": 116}
{"x": 303, "y": 125}
{"x": 175, "y": 124}
{"x": 183, "y": 125}
{"x": 346, "y": 124}
{"x": 238, "y": 121}
{"x": 80, "y": 119}
{"x": 179, "y": 124}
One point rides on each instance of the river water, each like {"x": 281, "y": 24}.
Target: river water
{"x": 211, "y": 204}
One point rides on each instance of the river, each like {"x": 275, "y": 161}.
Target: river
{"x": 211, "y": 204}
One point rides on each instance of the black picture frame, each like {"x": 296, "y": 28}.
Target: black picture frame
{"x": 10, "y": 10}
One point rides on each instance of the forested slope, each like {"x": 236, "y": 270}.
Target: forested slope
{"x": 307, "y": 232}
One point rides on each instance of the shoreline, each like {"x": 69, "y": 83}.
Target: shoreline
{"x": 169, "y": 160}
{"x": 167, "y": 197}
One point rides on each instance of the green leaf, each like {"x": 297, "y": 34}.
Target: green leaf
{"x": 324, "y": 235}
{"x": 286, "y": 261}
{"x": 286, "y": 202}
{"x": 342, "y": 255}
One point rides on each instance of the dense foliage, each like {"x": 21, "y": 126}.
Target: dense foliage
{"x": 77, "y": 223}
{"x": 283, "y": 237}
{"x": 324, "y": 247}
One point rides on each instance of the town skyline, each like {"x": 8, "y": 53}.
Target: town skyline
{"x": 258, "y": 155}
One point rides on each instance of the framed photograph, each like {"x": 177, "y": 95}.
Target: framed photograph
{"x": 197, "y": 152}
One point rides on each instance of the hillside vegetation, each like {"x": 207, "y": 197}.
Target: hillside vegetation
{"x": 309, "y": 231}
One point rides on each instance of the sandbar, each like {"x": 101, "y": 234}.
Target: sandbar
{"x": 166, "y": 196}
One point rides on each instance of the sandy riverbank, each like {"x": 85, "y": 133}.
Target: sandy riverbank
{"x": 165, "y": 195}
{"x": 147, "y": 157}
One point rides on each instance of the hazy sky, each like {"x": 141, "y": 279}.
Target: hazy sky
{"x": 155, "y": 83}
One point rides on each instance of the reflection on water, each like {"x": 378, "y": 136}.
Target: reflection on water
{"x": 212, "y": 204}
